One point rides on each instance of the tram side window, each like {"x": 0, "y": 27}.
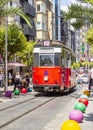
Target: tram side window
{"x": 57, "y": 59}
{"x": 36, "y": 59}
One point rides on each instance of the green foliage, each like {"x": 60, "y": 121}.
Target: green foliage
{"x": 17, "y": 44}
{"x": 16, "y": 39}
{"x": 27, "y": 54}
{"x": 90, "y": 1}
{"x": 11, "y": 11}
{"x": 89, "y": 36}
{"x": 91, "y": 64}
{"x": 83, "y": 64}
{"x": 75, "y": 65}
{"x": 81, "y": 14}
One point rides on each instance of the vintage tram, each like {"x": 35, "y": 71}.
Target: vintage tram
{"x": 52, "y": 67}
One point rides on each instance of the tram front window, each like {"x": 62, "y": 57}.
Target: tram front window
{"x": 46, "y": 60}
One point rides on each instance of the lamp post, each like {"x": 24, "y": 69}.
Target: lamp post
{"x": 6, "y": 50}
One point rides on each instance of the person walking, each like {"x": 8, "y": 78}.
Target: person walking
{"x": 17, "y": 81}
{"x": 91, "y": 80}
{"x": 27, "y": 81}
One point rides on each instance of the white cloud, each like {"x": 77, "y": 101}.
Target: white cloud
{"x": 69, "y": 2}
{"x": 73, "y": 1}
{"x": 64, "y": 8}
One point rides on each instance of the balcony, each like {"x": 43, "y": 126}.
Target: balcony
{"x": 29, "y": 31}
{"x": 29, "y": 9}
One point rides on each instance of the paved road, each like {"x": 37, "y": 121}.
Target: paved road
{"x": 48, "y": 117}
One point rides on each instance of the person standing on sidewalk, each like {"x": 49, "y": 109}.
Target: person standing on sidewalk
{"x": 17, "y": 82}
{"x": 91, "y": 79}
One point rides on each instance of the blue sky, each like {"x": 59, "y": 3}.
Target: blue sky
{"x": 64, "y": 2}
{"x": 67, "y": 2}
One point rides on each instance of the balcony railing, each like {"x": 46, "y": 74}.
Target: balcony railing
{"x": 29, "y": 9}
{"x": 29, "y": 31}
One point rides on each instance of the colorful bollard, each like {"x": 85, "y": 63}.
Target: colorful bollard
{"x": 87, "y": 92}
{"x": 84, "y": 101}
{"x": 70, "y": 125}
{"x": 24, "y": 90}
{"x": 29, "y": 89}
{"x": 8, "y": 94}
{"x": 84, "y": 96}
{"x": 80, "y": 106}
{"x": 17, "y": 92}
{"x": 76, "y": 115}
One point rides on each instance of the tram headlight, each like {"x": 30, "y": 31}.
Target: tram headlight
{"x": 46, "y": 78}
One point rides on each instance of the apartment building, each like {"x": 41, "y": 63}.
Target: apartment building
{"x": 44, "y": 19}
{"x": 57, "y": 20}
{"x": 29, "y": 9}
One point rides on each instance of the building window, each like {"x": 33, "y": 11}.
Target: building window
{"x": 38, "y": 8}
{"x": 41, "y": 26}
{"x": 38, "y": 27}
{"x": 31, "y": 2}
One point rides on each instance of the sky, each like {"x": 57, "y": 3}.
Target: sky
{"x": 67, "y": 2}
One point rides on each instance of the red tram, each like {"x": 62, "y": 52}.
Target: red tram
{"x": 52, "y": 67}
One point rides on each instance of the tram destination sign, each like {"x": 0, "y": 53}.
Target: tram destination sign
{"x": 46, "y": 43}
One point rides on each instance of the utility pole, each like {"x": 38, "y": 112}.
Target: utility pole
{"x": 6, "y": 52}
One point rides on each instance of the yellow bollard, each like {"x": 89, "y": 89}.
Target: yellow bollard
{"x": 70, "y": 125}
{"x": 86, "y": 92}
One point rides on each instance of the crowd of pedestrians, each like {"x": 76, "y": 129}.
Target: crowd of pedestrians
{"x": 1, "y": 79}
{"x": 17, "y": 79}
{"x": 21, "y": 81}
{"x": 89, "y": 78}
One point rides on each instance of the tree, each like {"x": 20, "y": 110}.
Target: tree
{"x": 89, "y": 36}
{"x": 81, "y": 14}
{"x": 89, "y": 39}
{"x": 17, "y": 44}
{"x": 27, "y": 54}
{"x": 90, "y": 1}
{"x": 75, "y": 65}
{"x": 11, "y": 11}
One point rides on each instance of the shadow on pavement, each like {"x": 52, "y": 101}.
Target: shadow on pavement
{"x": 89, "y": 117}
{"x": 55, "y": 94}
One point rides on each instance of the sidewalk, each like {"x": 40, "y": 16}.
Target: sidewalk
{"x": 87, "y": 123}
{"x": 63, "y": 115}
{"x": 6, "y": 99}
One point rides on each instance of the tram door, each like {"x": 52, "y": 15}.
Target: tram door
{"x": 66, "y": 61}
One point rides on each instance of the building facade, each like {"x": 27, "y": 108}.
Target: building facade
{"x": 57, "y": 19}
{"x": 29, "y": 9}
{"x": 44, "y": 16}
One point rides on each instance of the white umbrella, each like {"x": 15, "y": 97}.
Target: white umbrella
{"x": 16, "y": 64}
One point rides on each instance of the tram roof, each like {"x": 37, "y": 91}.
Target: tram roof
{"x": 52, "y": 44}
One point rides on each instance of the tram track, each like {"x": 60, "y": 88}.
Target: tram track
{"x": 16, "y": 104}
{"x": 34, "y": 104}
{"x": 5, "y": 123}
